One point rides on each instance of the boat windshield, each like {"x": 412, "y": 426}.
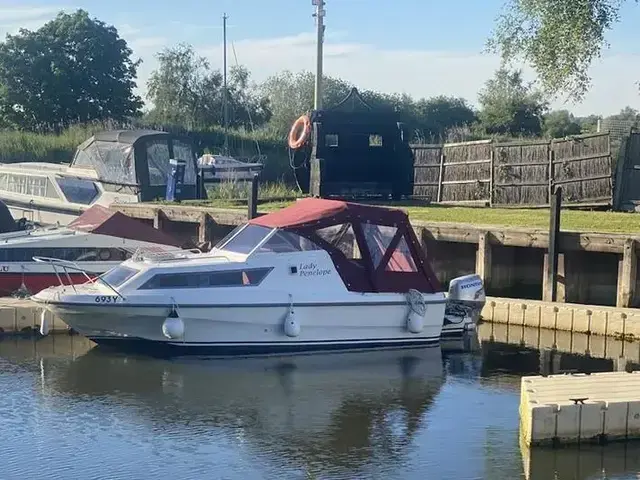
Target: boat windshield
{"x": 252, "y": 236}
{"x": 246, "y": 240}
{"x": 118, "y": 275}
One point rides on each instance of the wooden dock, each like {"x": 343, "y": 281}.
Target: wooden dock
{"x": 593, "y": 268}
{"x": 580, "y": 408}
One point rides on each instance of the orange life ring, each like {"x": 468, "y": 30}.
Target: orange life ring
{"x": 298, "y": 139}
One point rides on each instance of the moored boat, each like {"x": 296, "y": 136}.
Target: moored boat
{"x": 93, "y": 243}
{"x": 318, "y": 275}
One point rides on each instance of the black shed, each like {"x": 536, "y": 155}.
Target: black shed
{"x": 355, "y": 151}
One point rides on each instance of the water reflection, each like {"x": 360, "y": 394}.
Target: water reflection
{"x": 343, "y": 413}
{"x": 410, "y": 414}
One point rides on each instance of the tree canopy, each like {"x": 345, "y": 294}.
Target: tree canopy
{"x": 185, "y": 91}
{"x": 73, "y": 69}
{"x": 559, "y": 38}
{"x": 509, "y": 106}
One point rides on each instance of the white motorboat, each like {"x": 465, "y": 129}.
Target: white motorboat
{"x": 318, "y": 275}
{"x": 95, "y": 242}
{"x": 125, "y": 166}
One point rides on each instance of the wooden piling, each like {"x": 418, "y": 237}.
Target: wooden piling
{"x": 483, "y": 258}
{"x": 627, "y": 275}
{"x": 204, "y": 228}
{"x": 550, "y": 274}
{"x": 561, "y": 279}
{"x": 159, "y": 218}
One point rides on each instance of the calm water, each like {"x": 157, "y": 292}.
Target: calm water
{"x": 70, "y": 411}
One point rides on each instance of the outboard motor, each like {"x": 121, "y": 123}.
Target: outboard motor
{"x": 465, "y": 301}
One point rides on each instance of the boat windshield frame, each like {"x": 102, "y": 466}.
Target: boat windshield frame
{"x": 238, "y": 231}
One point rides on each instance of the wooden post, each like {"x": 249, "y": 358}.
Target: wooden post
{"x": 561, "y": 280}
{"x": 253, "y": 198}
{"x": 551, "y": 268}
{"x": 491, "y": 177}
{"x": 551, "y": 155}
{"x": 483, "y": 258}
{"x": 440, "y": 175}
{"x": 627, "y": 275}
{"x": 158, "y": 219}
{"x": 204, "y": 228}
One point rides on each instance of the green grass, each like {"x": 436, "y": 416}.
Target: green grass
{"x": 573, "y": 220}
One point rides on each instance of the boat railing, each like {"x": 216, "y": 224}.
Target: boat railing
{"x": 67, "y": 265}
{"x": 160, "y": 254}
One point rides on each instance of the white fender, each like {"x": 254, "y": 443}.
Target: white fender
{"x": 173, "y": 326}
{"x": 44, "y": 323}
{"x": 417, "y": 311}
{"x": 415, "y": 322}
{"x": 291, "y": 325}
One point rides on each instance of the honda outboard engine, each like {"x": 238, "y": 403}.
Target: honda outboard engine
{"x": 465, "y": 301}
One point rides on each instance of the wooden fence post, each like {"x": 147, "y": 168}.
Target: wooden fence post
{"x": 491, "y": 157}
{"x": 440, "y": 175}
{"x": 253, "y": 198}
{"x": 551, "y": 155}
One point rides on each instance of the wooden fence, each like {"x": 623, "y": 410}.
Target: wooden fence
{"x": 515, "y": 173}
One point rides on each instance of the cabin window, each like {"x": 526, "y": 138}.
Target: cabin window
{"x": 375, "y": 140}
{"x": 331, "y": 140}
{"x": 70, "y": 254}
{"x": 158, "y": 160}
{"x": 343, "y": 238}
{"x": 183, "y": 151}
{"x": 287, "y": 242}
{"x": 34, "y": 186}
{"x": 378, "y": 238}
{"x": 77, "y": 190}
{"x": 118, "y": 275}
{"x": 247, "y": 239}
{"x": 113, "y": 161}
{"x": 401, "y": 260}
{"x": 222, "y": 278}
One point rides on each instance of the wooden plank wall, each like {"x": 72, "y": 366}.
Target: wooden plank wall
{"x": 515, "y": 173}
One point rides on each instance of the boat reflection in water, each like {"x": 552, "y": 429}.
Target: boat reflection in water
{"x": 342, "y": 412}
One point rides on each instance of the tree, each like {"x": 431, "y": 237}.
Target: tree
{"x": 291, "y": 95}
{"x": 185, "y": 91}
{"x": 438, "y": 115}
{"x": 561, "y": 123}
{"x": 73, "y": 69}
{"x": 559, "y": 38}
{"x": 509, "y": 106}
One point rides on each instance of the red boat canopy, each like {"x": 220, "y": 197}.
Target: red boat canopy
{"x": 374, "y": 249}
{"x": 101, "y": 220}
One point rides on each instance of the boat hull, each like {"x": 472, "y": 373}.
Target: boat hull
{"x": 253, "y": 329}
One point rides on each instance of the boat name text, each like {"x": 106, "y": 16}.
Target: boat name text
{"x": 312, "y": 270}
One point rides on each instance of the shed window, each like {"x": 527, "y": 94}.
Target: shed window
{"x": 222, "y": 278}
{"x": 331, "y": 140}
{"x": 375, "y": 140}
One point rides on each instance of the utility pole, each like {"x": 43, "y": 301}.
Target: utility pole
{"x": 225, "y": 102}
{"x": 320, "y": 13}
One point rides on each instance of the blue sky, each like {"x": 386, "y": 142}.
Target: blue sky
{"x": 423, "y": 47}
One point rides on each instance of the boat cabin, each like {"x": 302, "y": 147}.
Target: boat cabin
{"x": 138, "y": 161}
{"x": 374, "y": 249}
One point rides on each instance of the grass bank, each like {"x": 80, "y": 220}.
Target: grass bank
{"x": 574, "y": 220}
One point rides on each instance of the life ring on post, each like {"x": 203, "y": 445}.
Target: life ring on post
{"x": 300, "y": 131}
